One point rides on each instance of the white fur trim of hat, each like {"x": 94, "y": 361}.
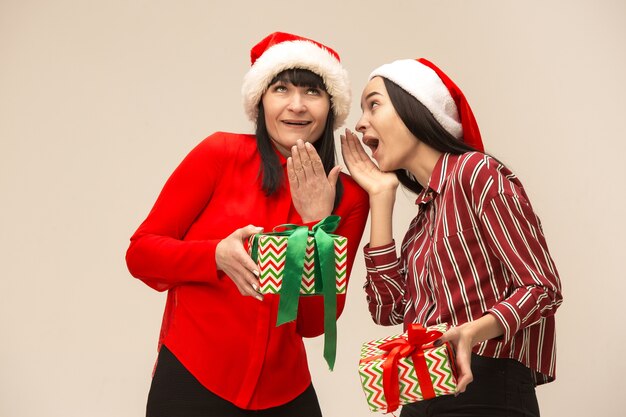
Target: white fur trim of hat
{"x": 424, "y": 84}
{"x": 303, "y": 54}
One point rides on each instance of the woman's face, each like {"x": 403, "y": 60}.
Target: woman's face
{"x": 293, "y": 113}
{"x": 391, "y": 142}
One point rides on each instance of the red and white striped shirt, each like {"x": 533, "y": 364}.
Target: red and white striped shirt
{"x": 475, "y": 247}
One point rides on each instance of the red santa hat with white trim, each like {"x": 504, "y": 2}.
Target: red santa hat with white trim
{"x": 280, "y": 51}
{"x": 438, "y": 93}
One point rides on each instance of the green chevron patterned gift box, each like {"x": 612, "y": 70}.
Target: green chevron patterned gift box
{"x": 272, "y": 259}
{"x": 407, "y": 368}
{"x": 294, "y": 261}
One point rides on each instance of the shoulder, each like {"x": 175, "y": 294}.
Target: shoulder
{"x": 475, "y": 169}
{"x": 482, "y": 177}
{"x": 222, "y": 145}
{"x": 226, "y": 142}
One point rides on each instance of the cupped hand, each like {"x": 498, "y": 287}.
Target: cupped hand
{"x": 312, "y": 192}
{"x": 363, "y": 170}
{"x": 232, "y": 258}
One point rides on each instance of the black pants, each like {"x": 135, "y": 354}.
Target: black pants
{"x": 501, "y": 388}
{"x": 175, "y": 392}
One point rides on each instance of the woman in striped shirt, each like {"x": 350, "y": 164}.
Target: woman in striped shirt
{"x": 474, "y": 256}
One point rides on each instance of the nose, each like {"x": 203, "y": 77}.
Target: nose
{"x": 297, "y": 104}
{"x": 361, "y": 125}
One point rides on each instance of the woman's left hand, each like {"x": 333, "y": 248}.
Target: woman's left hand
{"x": 463, "y": 338}
{"x": 462, "y": 342}
{"x": 312, "y": 192}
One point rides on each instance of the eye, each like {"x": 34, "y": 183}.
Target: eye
{"x": 373, "y": 104}
{"x": 279, "y": 88}
{"x": 313, "y": 91}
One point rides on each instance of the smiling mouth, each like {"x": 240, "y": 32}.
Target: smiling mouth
{"x": 296, "y": 122}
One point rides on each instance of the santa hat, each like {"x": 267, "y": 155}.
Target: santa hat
{"x": 435, "y": 90}
{"x": 281, "y": 51}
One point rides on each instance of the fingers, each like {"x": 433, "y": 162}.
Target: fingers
{"x": 465, "y": 376}
{"x": 304, "y": 164}
{"x": 463, "y": 350}
{"x": 250, "y": 271}
{"x": 305, "y": 158}
{"x": 291, "y": 174}
{"x": 237, "y": 264}
{"x": 317, "y": 167}
{"x": 246, "y": 280}
{"x": 297, "y": 160}
{"x": 350, "y": 148}
{"x": 356, "y": 147}
{"x": 249, "y": 230}
{"x": 333, "y": 175}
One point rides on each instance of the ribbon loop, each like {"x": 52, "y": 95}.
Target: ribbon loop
{"x": 418, "y": 338}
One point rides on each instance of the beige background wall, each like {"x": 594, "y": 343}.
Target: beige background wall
{"x": 100, "y": 100}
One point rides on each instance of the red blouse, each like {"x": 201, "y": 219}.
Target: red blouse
{"x": 229, "y": 342}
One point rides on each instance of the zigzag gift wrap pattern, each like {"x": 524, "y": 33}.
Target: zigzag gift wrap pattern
{"x": 294, "y": 261}
{"x": 406, "y": 368}
{"x": 273, "y": 253}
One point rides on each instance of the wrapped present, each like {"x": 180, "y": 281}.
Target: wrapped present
{"x": 271, "y": 259}
{"x": 407, "y": 368}
{"x": 294, "y": 261}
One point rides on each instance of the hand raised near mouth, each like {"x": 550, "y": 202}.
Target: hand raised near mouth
{"x": 312, "y": 191}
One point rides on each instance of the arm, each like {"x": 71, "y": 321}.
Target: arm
{"x": 513, "y": 234}
{"x": 385, "y": 282}
{"x": 157, "y": 254}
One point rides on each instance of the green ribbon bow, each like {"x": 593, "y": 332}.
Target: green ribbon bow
{"x": 325, "y": 281}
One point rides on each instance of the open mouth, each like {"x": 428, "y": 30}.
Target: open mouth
{"x": 371, "y": 143}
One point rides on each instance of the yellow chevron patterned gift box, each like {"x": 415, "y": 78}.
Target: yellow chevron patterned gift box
{"x": 407, "y": 368}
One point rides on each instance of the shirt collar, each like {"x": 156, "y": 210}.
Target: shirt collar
{"x": 438, "y": 178}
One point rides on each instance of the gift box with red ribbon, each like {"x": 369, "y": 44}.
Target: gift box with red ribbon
{"x": 407, "y": 368}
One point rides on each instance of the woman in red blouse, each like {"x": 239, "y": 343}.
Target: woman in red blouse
{"x": 474, "y": 256}
{"x": 220, "y": 351}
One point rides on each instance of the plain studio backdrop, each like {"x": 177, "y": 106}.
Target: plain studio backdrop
{"x": 100, "y": 100}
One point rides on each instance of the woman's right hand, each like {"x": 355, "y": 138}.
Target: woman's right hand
{"x": 363, "y": 170}
{"x": 234, "y": 261}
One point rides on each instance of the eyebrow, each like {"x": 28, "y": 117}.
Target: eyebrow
{"x": 373, "y": 93}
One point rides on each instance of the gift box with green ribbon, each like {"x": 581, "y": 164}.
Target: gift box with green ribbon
{"x": 295, "y": 261}
{"x": 406, "y": 368}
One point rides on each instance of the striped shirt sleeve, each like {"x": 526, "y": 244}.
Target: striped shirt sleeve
{"x": 385, "y": 284}
{"x": 513, "y": 233}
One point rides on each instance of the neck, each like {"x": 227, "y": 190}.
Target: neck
{"x": 423, "y": 163}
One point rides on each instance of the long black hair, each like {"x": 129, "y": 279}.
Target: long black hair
{"x": 271, "y": 173}
{"x": 423, "y": 125}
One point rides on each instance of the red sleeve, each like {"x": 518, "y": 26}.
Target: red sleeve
{"x": 513, "y": 232}
{"x": 514, "y": 235}
{"x": 353, "y": 210}
{"x": 385, "y": 284}
{"x": 158, "y": 253}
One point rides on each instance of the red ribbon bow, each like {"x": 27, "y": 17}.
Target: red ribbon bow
{"x": 414, "y": 345}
